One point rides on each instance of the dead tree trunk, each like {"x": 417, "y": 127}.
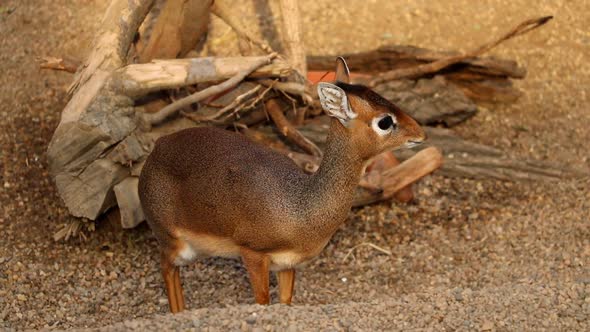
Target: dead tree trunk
{"x": 100, "y": 133}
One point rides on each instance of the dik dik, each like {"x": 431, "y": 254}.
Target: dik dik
{"x": 210, "y": 192}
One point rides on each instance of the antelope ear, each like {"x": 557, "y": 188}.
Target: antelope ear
{"x": 342, "y": 72}
{"x": 334, "y": 102}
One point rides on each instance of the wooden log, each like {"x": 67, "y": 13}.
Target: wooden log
{"x": 178, "y": 28}
{"x": 397, "y": 178}
{"x": 105, "y": 116}
{"x": 291, "y": 33}
{"x": 374, "y": 175}
{"x": 114, "y": 37}
{"x": 429, "y": 101}
{"x": 140, "y": 79}
{"x": 444, "y": 63}
{"x": 482, "y": 79}
{"x": 473, "y": 160}
{"x": 128, "y": 201}
{"x": 89, "y": 193}
{"x": 391, "y": 57}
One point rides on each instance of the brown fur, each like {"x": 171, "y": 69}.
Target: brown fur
{"x": 216, "y": 193}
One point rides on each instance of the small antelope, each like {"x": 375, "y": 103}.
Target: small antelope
{"x": 211, "y": 192}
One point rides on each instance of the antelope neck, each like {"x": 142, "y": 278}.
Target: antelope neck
{"x": 331, "y": 188}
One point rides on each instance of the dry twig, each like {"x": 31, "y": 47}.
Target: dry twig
{"x": 171, "y": 109}
{"x": 435, "y": 66}
{"x": 237, "y": 102}
{"x": 288, "y": 130}
{"x": 293, "y": 88}
{"x": 385, "y": 251}
{"x": 63, "y": 64}
{"x": 250, "y": 106}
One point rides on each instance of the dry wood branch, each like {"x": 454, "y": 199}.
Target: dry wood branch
{"x": 221, "y": 9}
{"x": 242, "y": 102}
{"x": 432, "y": 67}
{"x": 373, "y": 177}
{"x": 140, "y": 79}
{"x": 473, "y": 160}
{"x": 234, "y": 104}
{"x": 250, "y": 105}
{"x": 288, "y": 130}
{"x": 481, "y": 78}
{"x": 252, "y": 118}
{"x": 128, "y": 202}
{"x": 179, "y": 26}
{"x": 408, "y": 172}
{"x": 293, "y": 88}
{"x": 294, "y": 45}
{"x": 391, "y": 57}
{"x": 171, "y": 109}
{"x": 119, "y": 26}
{"x": 63, "y": 64}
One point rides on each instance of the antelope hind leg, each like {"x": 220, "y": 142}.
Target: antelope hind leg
{"x": 286, "y": 283}
{"x": 257, "y": 265}
{"x": 178, "y": 290}
{"x": 171, "y": 274}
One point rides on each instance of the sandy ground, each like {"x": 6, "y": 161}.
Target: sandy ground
{"x": 467, "y": 255}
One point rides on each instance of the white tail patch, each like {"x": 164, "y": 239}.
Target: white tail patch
{"x": 202, "y": 245}
{"x": 285, "y": 260}
{"x": 185, "y": 256}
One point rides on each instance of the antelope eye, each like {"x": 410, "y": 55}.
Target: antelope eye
{"x": 385, "y": 123}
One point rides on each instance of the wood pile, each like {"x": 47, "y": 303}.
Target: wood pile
{"x": 142, "y": 80}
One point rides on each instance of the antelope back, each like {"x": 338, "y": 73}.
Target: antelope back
{"x": 372, "y": 123}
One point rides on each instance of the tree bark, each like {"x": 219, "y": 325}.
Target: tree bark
{"x": 291, "y": 33}
{"x": 180, "y": 25}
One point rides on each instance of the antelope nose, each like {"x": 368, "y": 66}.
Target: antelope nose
{"x": 421, "y": 137}
{"x": 415, "y": 142}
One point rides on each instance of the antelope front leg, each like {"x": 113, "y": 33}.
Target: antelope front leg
{"x": 257, "y": 265}
{"x": 286, "y": 283}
